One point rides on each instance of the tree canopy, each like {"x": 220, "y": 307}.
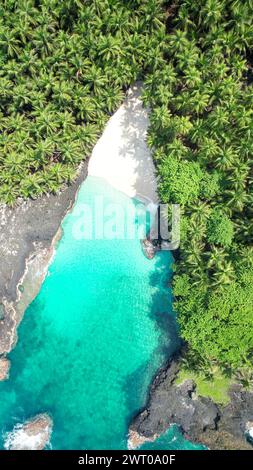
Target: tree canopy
{"x": 64, "y": 67}
{"x": 200, "y": 89}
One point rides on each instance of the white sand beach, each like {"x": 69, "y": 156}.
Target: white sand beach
{"x": 121, "y": 155}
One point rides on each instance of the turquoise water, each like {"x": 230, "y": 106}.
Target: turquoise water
{"x": 91, "y": 341}
{"x": 172, "y": 440}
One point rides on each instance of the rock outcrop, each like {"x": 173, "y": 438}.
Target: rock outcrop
{"x": 4, "y": 368}
{"x": 34, "y": 434}
{"x": 200, "y": 419}
{"x": 148, "y": 248}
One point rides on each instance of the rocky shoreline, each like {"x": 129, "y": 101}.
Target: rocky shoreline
{"x": 199, "y": 418}
{"x": 28, "y": 235}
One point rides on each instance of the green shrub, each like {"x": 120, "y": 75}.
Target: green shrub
{"x": 180, "y": 181}
{"x": 220, "y": 229}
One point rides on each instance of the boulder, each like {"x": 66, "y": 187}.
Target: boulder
{"x": 148, "y": 248}
{"x": 34, "y": 434}
{"x": 4, "y": 368}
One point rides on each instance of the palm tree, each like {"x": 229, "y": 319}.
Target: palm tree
{"x": 87, "y": 134}
{"x": 200, "y": 278}
{"x": 19, "y": 141}
{"x": 161, "y": 118}
{"x": 62, "y": 93}
{"x": 224, "y": 275}
{"x": 9, "y": 43}
{"x": 178, "y": 41}
{"x": 211, "y": 13}
{"x": 227, "y": 158}
{"x": 236, "y": 199}
{"x": 239, "y": 176}
{"x": 199, "y": 212}
{"x": 7, "y": 178}
{"x": 177, "y": 149}
{"x": 193, "y": 254}
{"x": 42, "y": 152}
{"x": 31, "y": 186}
{"x": 244, "y": 229}
{"x": 192, "y": 76}
{"x": 15, "y": 122}
{"x": 46, "y": 121}
{"x": 71, "y": 151}
{"x": 9, "y": 194}
{"x": 59, "y": 173}
{"x": 196, "y": 133}
{"x": 29, "y": 58}
{"x": 85, "y": 107}
{"x": 14, "y": 164}
{"x": 219, "y": 118}
{"x": 182, "y": 125}
{"x": 6, "y": 90}
{"x": 96, "y": 79}
{"x": 45, "y": 79}
{"x": 112, "y": 98}
{"x": 12, "y": 69}
{"x": 43, "y": 38}
{"x": 110, "y": 48}
{"x": 209, "y": 148}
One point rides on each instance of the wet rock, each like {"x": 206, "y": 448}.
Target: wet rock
{"x": 148, "y": 248}
{"x": 200, "y": 419}
{"x": 136, "y": 440}
{"x": 34, "y": 434}
{"x": 171, "y": 404}
{"x": 238, "y": 413}
{"x": 249, "y": 431}
{"x": 4, "y": 368}
{"x": 1, "y": 312}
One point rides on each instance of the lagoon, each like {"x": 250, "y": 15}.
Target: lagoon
{"x": 92, "y": 340}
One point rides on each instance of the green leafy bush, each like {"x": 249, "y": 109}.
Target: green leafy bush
{"x": 180, "y": 181}
{"x": 223, "y": 328}
{"x": 220, "y": 229}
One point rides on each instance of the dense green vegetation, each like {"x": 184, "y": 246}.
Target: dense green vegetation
{"x": 201, "y": 93}
{"x": 64, "y": 66}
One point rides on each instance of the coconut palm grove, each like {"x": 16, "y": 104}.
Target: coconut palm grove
{"x": 65, "y": 67}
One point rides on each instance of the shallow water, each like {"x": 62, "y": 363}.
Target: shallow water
{"x": 91, "y": 341}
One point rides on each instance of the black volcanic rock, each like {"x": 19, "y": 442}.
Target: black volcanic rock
{"x": 171, "y": 404}
{"x": 200, "y": 419}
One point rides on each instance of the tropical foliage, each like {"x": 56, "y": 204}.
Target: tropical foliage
{"x": 200, "y": 90}
{"x": 64, "y": 66}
